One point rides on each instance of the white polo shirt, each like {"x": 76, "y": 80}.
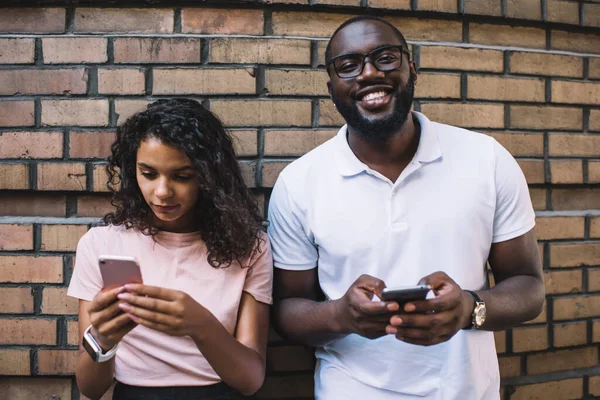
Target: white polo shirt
{"x": 461, "y": 192}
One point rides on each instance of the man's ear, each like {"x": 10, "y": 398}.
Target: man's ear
{"x": 413, "y": 71}
{"x": 329, "y": 88}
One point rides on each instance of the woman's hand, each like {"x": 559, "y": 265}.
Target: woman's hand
{"x": 109, "y": 323}
{"x": 170, "y": 311}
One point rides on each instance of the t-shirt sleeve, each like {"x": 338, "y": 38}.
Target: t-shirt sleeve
{"x": 514, "y": 215}
{"x": 86, "y": 281}
{"x": 259, "y": 279}
{"x": 292, "y": 247}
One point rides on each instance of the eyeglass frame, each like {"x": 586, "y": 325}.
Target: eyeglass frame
{"x": 364, "y": 59}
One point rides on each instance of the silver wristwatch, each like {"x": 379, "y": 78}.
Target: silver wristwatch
{"x": 94, "y": 349}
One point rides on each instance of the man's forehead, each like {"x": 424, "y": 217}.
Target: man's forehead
{"x": 363, "y": 36}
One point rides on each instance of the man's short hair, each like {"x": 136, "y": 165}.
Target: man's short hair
{"x": 362, "y": 18}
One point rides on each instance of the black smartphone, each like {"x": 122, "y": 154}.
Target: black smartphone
{"x": 405, "y": 294}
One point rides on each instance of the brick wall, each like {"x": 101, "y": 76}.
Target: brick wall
{"x": 526, "y": 72}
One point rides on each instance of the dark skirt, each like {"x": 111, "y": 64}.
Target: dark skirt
{"x": 219, "y": 391}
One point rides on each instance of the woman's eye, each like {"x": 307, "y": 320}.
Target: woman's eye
{"x": 149, "y": 175}
{"x": 183, "y": 177}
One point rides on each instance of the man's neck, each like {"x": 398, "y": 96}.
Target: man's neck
{"x": 389, "y": 157}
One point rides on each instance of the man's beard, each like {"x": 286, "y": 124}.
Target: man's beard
{"x": 379, "y": 129}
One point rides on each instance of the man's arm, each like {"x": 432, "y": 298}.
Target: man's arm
{"x": 300, "y": 317}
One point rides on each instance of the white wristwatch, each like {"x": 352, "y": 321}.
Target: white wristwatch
{"x": 94, "y": 349}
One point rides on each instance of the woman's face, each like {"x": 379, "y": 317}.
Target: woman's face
{"x": 169, "y": 184}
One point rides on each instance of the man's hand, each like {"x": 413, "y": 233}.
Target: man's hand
{"x": 436, "y": 320}
{"x": 170, "y": 311}
{"x": 357, "y": 313}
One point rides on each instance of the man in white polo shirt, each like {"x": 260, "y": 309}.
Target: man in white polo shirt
{"x": 396, "y": 199}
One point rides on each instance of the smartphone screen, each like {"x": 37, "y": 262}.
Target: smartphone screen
{"x": 405, "y": 294}
{"x": 119, "y": 270}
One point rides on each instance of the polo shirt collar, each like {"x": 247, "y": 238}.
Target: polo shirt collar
{"x": 429, "y": 148}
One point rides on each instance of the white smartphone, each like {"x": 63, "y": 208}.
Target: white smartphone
{"x": 405, "y": 294}
{"x": 119, "y": 270}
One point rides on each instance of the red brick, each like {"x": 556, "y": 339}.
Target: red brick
{"x": 94, "y": 206}
{"x": 504, "y": 35}
{"x": 262, "y": 51}
{"x": 14, "y": 176}
{"x": 130, "y": 20}
{"x": 75, "y": 112}
{"x": 61, "y": 176}
{"x": 56, "y": 301}
{"x": 18, "y": 144}
{"x": 591, "y": 14}
{"x": 548, "y": 228}
{"x": 505, "y": 89}
{"x": 14, "y": 362}
{"x": 483, "y": 7}
{"x": 524, "y": 9}
{"x": 538, "y": 198}
{"x": 429, "y": 29}
{"x": 594, "y": 280}
{"x": 562, "y": 11}
{"x": 204, "y": 81}
{"x": 576, "y": 307}
{"x": 72, "y": 332}
{"x": 36, "y": 388}
{"x": 32, "y": 204}
{"x": 222, "y": 21}
{"x": 576, "y": 199}
{"x": 530, "y": 338}
{"x": 57, "y": 362}
{"x": 328, "y": 114}
{"x": 520, "y": 144}
{"x": 393, "y": 4}
{"x": 44, "y": 81}
{"x": 556, "y": 390}
{"x": 566, "y": 171}
{"x": 296, "y": 82}
{"x": 32, "y": 20}
{"x": 127, "y": 108}
{"x": 290, "y": 358}
{"x": 546, "y": 64}
{"x": 500, "y": 341}
{"x": 307, "y": 24}
{"x": 271, "y": 171}
{"x": 438, "y": 5}
{"x": 461, "y": 58}
{"x": 576, "y": 92}
{"x": 593, "y": 171}
{"x": 244, "y": 142}
{"x": 570, "y": 334}
{"x": 90, "y": 144}
{"x": 27, "y": 269}
{"x": 579, "y": 42}
{"x": 157, "y": 50}
{"x": 61, "y": 237}
{"x": 573, "y": 145}
{"x": 544, "y": 117}
{"x": 595, "y": 227}
{"x": 16, "y": 237}
{"x": 574, "y": 254}
{"x": 17, "y": 51}
{"x": 296, "y": 142}
{"x": 27, "y": 331}
{"x": 65, "y": 50}
{"x": 100, "y": 177}
{"x": 261, "y": 112}
{"x": 441, "y": 86}
{"x": 509, "y": 366}
{"x": 562, "y": 360}
{"x": 16, "y": 301}
{"x": 466, "y": 115}
{"x": 16, "y": 113}
{"x": 287, "y": 386}
{"x": 533, "y": 170}
{"x": 121, "y": 81}
{"x": 567, "y": 281}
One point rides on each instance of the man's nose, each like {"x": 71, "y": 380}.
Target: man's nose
{"x": 369, "y": 71}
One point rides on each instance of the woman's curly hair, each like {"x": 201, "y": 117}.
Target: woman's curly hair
{"x": 226, "y": 214}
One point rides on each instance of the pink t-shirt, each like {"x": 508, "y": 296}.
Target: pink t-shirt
{"x": 178, "y": 261}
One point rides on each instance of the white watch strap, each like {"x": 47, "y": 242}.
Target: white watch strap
{"x": 100, "y": 356}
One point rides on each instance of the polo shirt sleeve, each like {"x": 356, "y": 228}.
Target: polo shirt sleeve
{"x": 292, "y": 248}
{"x": 86, "y": 281}
{"x": 514, "y": 215}
{"x": 259, "y": 279}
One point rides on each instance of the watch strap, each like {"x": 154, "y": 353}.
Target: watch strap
{"x": 477, "y": 300}
{"x": 95, "y": 350}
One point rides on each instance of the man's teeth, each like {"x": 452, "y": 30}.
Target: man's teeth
{"x": 373, "y": 96}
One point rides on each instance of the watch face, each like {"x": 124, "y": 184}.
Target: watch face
{"x": 89, "y": 348}
{"x": 480, "y": 313}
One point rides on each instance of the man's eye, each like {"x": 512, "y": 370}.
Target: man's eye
{"x": 348, "y": 66}
{"x": 386, "y": 58}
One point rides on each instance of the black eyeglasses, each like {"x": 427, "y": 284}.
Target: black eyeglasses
{"x": 384, "y": 58}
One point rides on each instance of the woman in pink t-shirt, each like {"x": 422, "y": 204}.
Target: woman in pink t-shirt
{"x": 197, "y": 327}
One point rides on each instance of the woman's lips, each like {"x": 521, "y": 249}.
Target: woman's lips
{"x": 164, "y": 209}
